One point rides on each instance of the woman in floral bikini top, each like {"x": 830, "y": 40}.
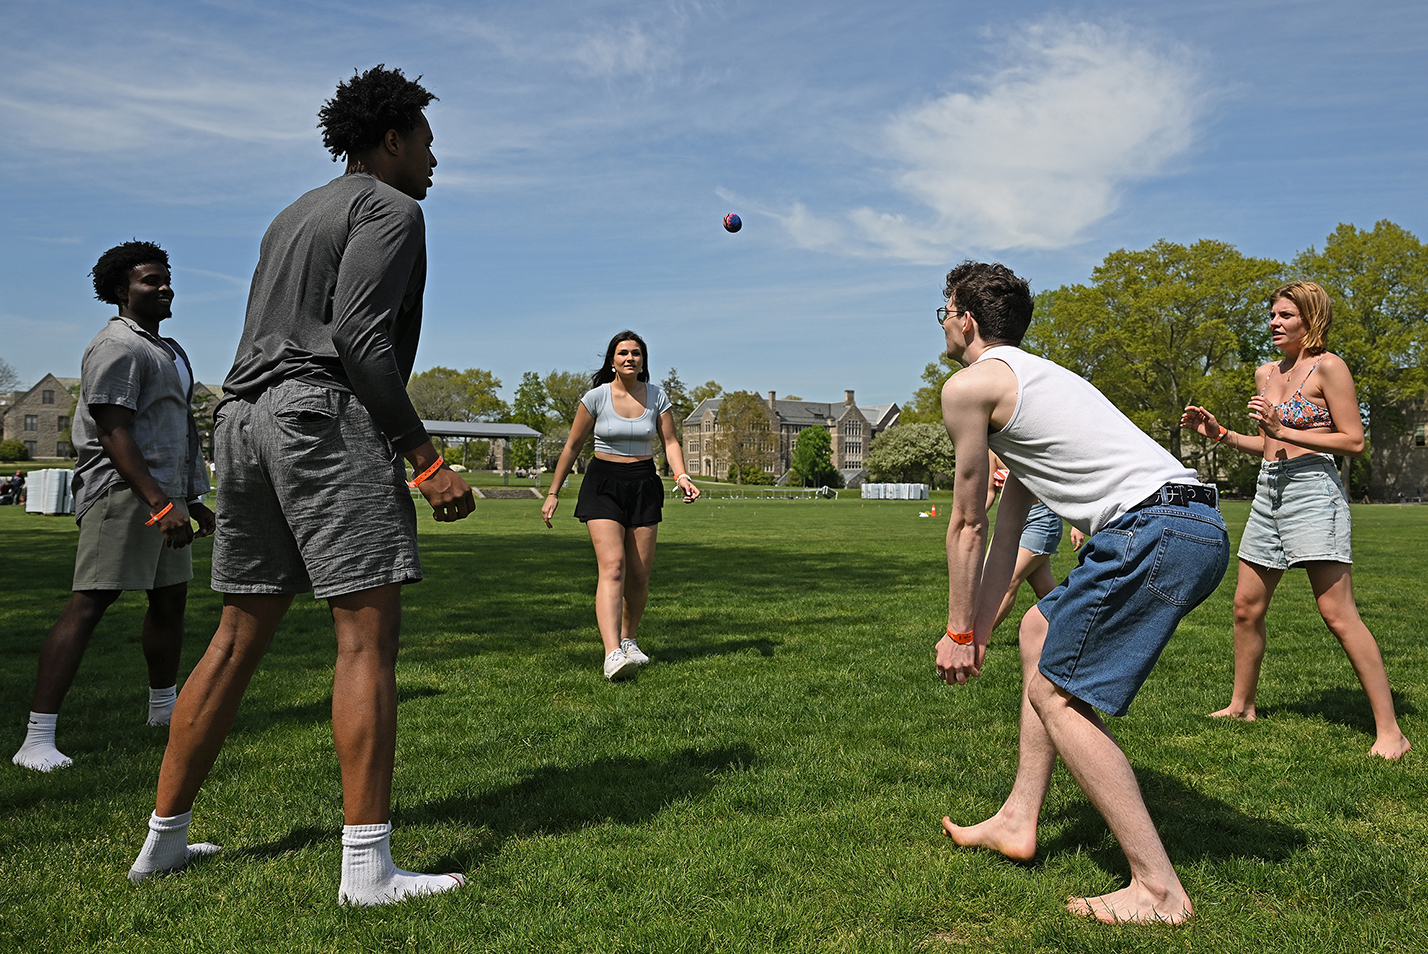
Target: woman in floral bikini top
{"x": 1300, "y": 514}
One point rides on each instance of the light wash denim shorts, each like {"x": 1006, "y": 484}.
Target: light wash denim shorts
{"x": 1300, "y": 515}
{"x": 310, "y": 497}
{"x": 1042, "y": 533}
{"x": 1138, "y": 577}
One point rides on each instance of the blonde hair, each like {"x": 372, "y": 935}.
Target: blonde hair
{"x": 1314, "y": 307}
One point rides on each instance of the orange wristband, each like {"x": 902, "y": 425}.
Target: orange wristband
{"x": 416, "y": 481}
{"x": 961, "y": 639}
{"x": 155, "y": 518}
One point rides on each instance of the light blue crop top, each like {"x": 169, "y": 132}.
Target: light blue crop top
{"x": 625, "y": 436}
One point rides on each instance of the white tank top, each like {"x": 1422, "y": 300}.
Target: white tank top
{"x": 1073, "y": 449}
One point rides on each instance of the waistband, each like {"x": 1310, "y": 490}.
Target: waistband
{"x": 1302, "y": 462}
{"x": 634, "y": 470}
{"x": 1181, "y": 495}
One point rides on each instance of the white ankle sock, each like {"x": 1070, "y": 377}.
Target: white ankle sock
{"x": 167, "y": 848}
{"x": 39, "y": 752}
{"x": 369, "y": 876}
{"x": 161, "y": 705}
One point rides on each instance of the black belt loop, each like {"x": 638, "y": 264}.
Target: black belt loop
{"x": 1182, "y": 495}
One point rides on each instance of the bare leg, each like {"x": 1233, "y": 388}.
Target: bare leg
{"x": 1334, "y": 591}
{"x": 1253, "y": 591}
{"x": 1041, "y": 580}
{"x": 65, "y": 644}
{"x": 639, "y": 560}
{"x": 608, "y": 537}
{"x": 1012, "y": 830}
{"x": 163, "y": 634}
{"x": 1027, "y": 565}
{"x": 1100, "y": 768}
{"x": 364, "y": 699}
{"x": 209, "y": 701}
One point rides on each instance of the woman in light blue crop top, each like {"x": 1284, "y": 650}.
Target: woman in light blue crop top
{"x": 1307, "y": 410}
{"x": 621, "y": 496}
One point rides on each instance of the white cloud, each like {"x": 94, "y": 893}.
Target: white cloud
{"x": 1041, "y": 151}
{"x": 629, "y": 50}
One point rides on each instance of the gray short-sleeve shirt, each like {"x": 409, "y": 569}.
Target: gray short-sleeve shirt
{"x": 126, "y": 366}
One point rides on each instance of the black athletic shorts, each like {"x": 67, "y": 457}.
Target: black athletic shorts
{"x": 631, "y": 494}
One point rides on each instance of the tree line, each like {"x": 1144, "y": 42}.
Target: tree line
{"x": 1171, "y": 325}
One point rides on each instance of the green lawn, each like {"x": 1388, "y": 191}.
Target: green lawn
{"x": 774, "y": 782}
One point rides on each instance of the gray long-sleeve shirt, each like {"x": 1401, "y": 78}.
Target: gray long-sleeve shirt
{"x": 336, "y": 301}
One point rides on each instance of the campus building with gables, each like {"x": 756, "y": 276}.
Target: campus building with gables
{"x": 851, "y": 428}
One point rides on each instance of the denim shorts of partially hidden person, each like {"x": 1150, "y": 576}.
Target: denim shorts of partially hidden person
{"x": 1300, "y": 515}
{"x": 311, "y": 496}
{"x": 1042, "y": 533}
{"x": 1138, "y": 577}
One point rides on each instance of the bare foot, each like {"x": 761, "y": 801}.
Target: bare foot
{"x": 995, "y": 833}
{"x": 1232, "y": 711}
{"x": 1394, "y": 748}
{"x": 1134, "y": 905}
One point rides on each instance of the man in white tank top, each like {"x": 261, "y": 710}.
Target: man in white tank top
{"x": 1156, "y": 548}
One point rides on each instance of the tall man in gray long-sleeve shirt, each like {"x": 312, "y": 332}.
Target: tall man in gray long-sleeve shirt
{"x": 310, "y": 436}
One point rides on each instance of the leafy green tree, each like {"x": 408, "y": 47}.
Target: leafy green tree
{"x": 705, "y": 391}
{"x": 910, "y": 453}
{"x": 445, "y": 394}
{"x": 813, "y": 459}
{"x": 563, "y": 390}
{"x": 926, "y": 404}
{"x": 1378, "y": 281}
{"x": 681, "y": 404}
{"x": 1162, "y": 328}
{"x": 529, "y": 408}
{"x": 744, "y": 438}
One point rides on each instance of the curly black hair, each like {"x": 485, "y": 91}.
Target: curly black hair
{"x": 1000, "y": 301}
{"x": 114, "y": 266}
{"x": 366, "y": 106}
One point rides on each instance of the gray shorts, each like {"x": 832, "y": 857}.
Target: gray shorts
{"x": 118, "y": 552}
{"x": 1300, "y": 515}
{"x": 310, "y": 497}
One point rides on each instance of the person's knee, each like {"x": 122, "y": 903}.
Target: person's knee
{"x": 1031, "y": 636}
{"x": 168, "y": 605}
{"x": 1249, "y": 607}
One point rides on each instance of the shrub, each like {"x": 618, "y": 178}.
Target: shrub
{"x": 13, "y": 450}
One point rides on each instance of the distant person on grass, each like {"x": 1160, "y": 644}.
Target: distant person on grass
{"x": 1307, "y": 411}
{"x": 1040, "y": 538}
{"x": 1156, "y": 547}
{"x": 310, "y": 436}
{"x": 621, "y": 499}
{"x": 138, "y": 483}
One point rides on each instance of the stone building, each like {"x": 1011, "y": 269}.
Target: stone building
{"x": 851, "y": 428}
{"x": 40, "y": 417}
{"x": 1400, "y": 461}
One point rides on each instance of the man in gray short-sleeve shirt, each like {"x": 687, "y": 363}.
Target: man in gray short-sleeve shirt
{"x": 139, "y": 479}
{"x": 309, "y": 441}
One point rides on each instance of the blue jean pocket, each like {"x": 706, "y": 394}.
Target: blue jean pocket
{"x": 1187, "y": 567}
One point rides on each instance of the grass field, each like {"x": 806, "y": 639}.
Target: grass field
{"x": 774, "y": 782}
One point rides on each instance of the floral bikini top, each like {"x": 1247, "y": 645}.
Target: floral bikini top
{"x": 1299, "y": 413}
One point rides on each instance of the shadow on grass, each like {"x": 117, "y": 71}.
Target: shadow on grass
{"x": 1342, "y": 705}
{"x": 1193, "y": 826}
{"x": 552, "y": 801}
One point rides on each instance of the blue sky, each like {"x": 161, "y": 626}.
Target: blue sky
{"x": 588, "y": 152}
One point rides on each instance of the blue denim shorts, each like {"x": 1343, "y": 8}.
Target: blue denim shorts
{"x": 310, "y": 497}
{"x": 1138, "y": 577}
{"x": 1300, "y": 514}
{"x": 1042, "y": 533}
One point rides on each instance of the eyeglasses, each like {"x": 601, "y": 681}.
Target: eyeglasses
{"x": 944, "y": 313}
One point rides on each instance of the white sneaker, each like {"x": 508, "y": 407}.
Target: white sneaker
{"x": 633, "y": 651}
{"x": 617, "y": 664}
